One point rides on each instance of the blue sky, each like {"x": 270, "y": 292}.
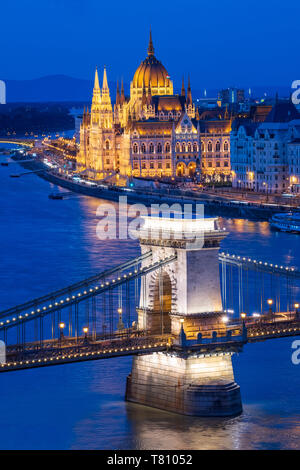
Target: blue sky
{"x": 218, "y": 43}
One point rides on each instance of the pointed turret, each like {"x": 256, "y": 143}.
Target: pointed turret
{"x": 189, "y": 99}
{"x": 122, "y": 93}
{"x": 104, "y": 82}
{"x": 96, "y": 81}
{"x": 182, "y": 88}
{"x": 96, "y": 91}
{"x": 106, "y": 107}
{"x": 105, "y": 99}
{"x": 118, "y": 98}
{"x": 150, "y": 46}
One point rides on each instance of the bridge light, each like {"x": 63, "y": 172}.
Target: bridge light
{"x": 62, "y": 325}
{"x": 243, "y": 315}
{"x": 225, "y": 319}
{"x": 270, "y": 302}
{"x": 297, "y": 305}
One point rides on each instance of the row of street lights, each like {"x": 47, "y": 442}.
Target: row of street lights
{"x": 62, "y": 325}
{"x": 270, "y": 302}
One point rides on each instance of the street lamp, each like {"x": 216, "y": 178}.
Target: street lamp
{"x": 120, "y": 325}
{"x": 270, "y": 303}
{"x": 85, "y": 330}
{"x": 61, "y": 329}
{"x": 297, "y": 309}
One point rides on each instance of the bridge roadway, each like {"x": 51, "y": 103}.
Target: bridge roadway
{"x": 69, "y": 350}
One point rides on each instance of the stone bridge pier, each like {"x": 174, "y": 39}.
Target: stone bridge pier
{"x": 183, "y": 296}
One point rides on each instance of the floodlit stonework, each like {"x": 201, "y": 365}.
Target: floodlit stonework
{"x": 183, "y": 299}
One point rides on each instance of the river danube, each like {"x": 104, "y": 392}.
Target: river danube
{"x": 46, "y": 244}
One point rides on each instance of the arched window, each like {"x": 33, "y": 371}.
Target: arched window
{"x": 168, "y": 147}
{"x": 143, "y": 148}
{"x": 107, "y": 145}
{"x": 151, "y": 148}
{"x": 226, "y": 146}
{"x": 209, "y": 146}
{"x": 183, "y": 147}
{"x": 159, "y": 147}
{"x": 195, "y": 147}
{"x": 177, "y": 147}
{"x": 202, "y": 146}
{"x": 189, "y": 147}
{"x": 218, "y": 146}
{"x": 135, "y": 148}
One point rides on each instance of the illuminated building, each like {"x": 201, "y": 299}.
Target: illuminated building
{"x": 263, "y": 155}
{"x": 152, "y": 133}
{"x": 215, "y": 128}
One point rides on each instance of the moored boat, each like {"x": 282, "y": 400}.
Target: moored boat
{"x": 286, "y": 222}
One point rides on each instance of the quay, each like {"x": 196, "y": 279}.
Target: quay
{"x": 214, "y": 204}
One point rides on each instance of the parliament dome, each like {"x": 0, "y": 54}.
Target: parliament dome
{"x": 151, "y": 71}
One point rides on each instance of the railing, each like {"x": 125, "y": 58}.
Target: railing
{"x": 85, "y": 351}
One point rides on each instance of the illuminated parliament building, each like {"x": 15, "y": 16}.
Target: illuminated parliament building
{"x": 153, "y": 133}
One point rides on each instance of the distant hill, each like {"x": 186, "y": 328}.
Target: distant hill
{"x": 55, "y": 88}
{"x": 60, "y": 88}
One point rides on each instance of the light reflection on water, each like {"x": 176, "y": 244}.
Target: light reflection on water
{"x": 45, "y": 244}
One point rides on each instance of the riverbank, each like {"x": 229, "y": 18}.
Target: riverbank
{"x": 213, "y": 204}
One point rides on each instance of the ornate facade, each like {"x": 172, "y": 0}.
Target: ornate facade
{"x": 152, "y": 133}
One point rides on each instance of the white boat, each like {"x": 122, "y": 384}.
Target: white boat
{"x": 286, "y": 222}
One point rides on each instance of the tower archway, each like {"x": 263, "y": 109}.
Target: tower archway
{"x": 161, "y": 301}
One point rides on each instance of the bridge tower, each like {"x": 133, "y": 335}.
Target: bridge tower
{"x": 183, "y": 299}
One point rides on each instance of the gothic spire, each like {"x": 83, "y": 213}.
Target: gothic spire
{"x": 182, "y": 88}
{"x": 189, "y": 93}
{"x": 96, "y": 81}
{"x": 150, "y": 46}
{"x": 122, "y": 93}
{"x": 104, "y": 83}
{"x": 96, "y": 91}
{"x": 118, "y": 99}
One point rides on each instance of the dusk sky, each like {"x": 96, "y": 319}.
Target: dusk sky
{"x": 240, "y": 43}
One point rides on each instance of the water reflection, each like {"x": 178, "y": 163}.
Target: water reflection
{"x": 45, "y": 244}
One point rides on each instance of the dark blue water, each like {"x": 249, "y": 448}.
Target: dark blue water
{"x": 45, "y": 244}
